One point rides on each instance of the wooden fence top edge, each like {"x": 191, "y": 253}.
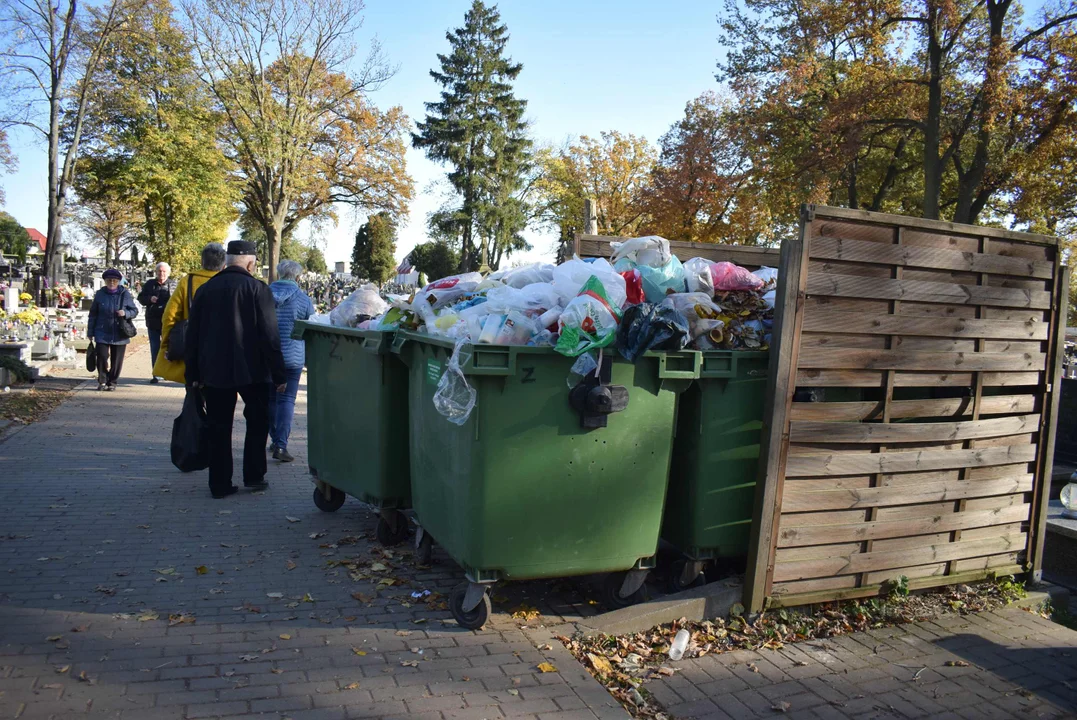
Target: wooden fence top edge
{"x": 939, "y": 226}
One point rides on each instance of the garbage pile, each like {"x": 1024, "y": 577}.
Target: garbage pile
{"x": 646, "y": 299}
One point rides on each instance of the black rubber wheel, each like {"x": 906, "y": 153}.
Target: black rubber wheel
{"x": 424, "y": 554}
{"x": 389, "y": 537}
{"x": 611, "y": 592}
{"x": 331, "y": 503}
{"x": 676, "y": 569}
{"x": 475, "y": 619}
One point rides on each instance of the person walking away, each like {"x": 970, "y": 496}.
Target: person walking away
{"x": 154, "y": 297}
{"x": 233, "y": 347}
{"x": 292, "y": 304}
{"x": 176, "y": 310}
{"x": 110, "y": 303}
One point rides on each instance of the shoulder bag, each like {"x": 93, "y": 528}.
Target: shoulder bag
{"x": 177, "y": 335}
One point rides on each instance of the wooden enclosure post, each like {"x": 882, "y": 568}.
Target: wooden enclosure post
{"x": 590, "y": 217}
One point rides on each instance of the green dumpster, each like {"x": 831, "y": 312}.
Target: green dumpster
{"x": 357, "y": 422}
{"x": 711, "y": 493}
{"x": 522, "y": 490}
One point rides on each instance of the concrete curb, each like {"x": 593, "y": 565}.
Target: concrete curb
{"x": 704, "y": 603}
{"x": 1043, "y": 592}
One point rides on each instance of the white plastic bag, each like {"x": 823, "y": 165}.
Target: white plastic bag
{"x": 570, "y": 276}
{"x": 590, "y": 321}
{"x": 652, "y": 251}
{"x": 454, "y": 398}
{"x": 363, "y": 304}
{"x": 524, "y": 275}
{"x": 468, "y": 281}
{"x": 768, "y": 275}
{"x": 697, "y": 273}
{"x": 537, "y": 296}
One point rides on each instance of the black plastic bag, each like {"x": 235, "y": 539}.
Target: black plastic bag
{"x": 651, "y": 327}
{"x": 91, "y": 357}
{"x": 190, "y": 434}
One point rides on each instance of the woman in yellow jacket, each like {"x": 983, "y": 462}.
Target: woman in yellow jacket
{"x": 177, "y": 308}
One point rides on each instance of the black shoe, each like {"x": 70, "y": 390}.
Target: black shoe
{"x": 230, "y": 491}
{"x": 110, "y": 387}
{"x": 272, "y": 449}
{"x": 154, "y": 380}
{"x": 282, "y": 455}
{"x": 262, "y": 485}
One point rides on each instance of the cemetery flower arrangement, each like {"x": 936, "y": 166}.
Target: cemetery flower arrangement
{"x": 30, "y": 316}
{"x": 25, "y": 298}
{"x": 65, "y": 295}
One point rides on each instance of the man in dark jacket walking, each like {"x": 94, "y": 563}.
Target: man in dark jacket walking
{"x": 233, "y": 346}
{"x": 154, "y": 296}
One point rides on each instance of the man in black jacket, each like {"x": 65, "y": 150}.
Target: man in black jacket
{"x": 154, "y": 297}
{"x": 233, "y": 346}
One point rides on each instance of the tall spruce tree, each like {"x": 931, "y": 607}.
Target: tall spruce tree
{"x": 478, "y": 128}
{"x": 375, "y": 243}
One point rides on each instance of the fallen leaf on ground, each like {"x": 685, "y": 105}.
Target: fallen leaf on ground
{"x": 358, "y": 652}
{"x": 600, "y": 664}
{"x": 80, "y": 628}
{"x": 201, "y": 569}
{"x": 316, "y": 535}
{"x": 308, "y": 598}
{"x": 525, "y": 613}
{"x": 83, "y": 677}
{"x": 956, "y": 663}
{"x": 546, "y": 668}
{"x": 290, "y": 565}
{"x": 781, "y": 706}
{"x": 403, "y": 633}
{"x": 362, "y": 597}
{"x": 149, "y": 615}
{"x": 285, "y": 636}
{"x": 409, "y": 663}
{"x": 180, "y": 619}
{"x": 289, "y": 518}
{"x": 753, "y": 668}
{"x": 54, "y": 638}
{"x": 275, "y": 595}
{"x": 352, "y": 686}
{"x": 61, "y": 669}
{"x": 276, "y": 671}
{"x": 514, "y": 692}
{"x": 248, "y": 658}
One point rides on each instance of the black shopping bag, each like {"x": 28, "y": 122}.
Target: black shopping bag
{"x": 91, "y": 357}
{"x": 190, "y": 434}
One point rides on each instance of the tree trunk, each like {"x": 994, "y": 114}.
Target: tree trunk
{"x": 53, "y": 222}
{"x": 932, "y": 164}
{"x": 854, "y": 195}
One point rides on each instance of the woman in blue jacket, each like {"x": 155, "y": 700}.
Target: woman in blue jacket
{"x": 292, "y": 304}
{"x": 111, "y": 303}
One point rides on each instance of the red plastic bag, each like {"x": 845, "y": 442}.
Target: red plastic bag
{"x": 634, "y": 286}
{"x": 727, "y": 276}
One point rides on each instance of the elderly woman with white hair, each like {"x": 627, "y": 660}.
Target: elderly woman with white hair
{"x": 292, "y": 304}
{"x": 154, "y": 297}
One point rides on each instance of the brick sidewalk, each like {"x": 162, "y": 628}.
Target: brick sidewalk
{"x": 101, "y": 533}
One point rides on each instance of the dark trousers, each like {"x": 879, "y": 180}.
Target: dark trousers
{"x": 155, "y": 345}
{"x": 109, "y": 362}
{"x": 220, "y": 411}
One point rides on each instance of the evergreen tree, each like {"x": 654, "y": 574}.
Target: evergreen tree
{"x": 134, "y": 255}
{"x": 434, "y": 259}
{"x": 14, "y": 240}
{"x": 315, "y": 261}
{"x": 375, "y": 243}
{"x": 478, "y": 128}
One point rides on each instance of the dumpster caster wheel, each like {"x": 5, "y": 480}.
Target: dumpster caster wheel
{"x": 479, "y": 614}
{"x": 613, "y": 595}
{"x": 684, "y": 574}
{"x": 424, "y": 548}
{"x": 392, "y": 531}
{"x": 331, "y": 503}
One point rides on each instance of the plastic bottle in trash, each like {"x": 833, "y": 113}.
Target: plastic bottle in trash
{"x": 680, "y": 644}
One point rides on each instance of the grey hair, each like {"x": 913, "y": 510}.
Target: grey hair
{"x": 213, "y": 256}
{"x": 165, "y": 265}
{"x": 241, "y": 260}
{"x": 288, "y": 270}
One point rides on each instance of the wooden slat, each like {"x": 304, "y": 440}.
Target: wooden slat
{"x": 863, "y": 562}
{"x": 941, "y": 407}
{"x": 796, "y": 535}
{"x": 744, "y": 255}
{"x": 848, "y": 499}
{"x": 858, "y": 464}
{"x": 910, "y": 432}
{"x": 849, "y": 359}
{"x": 850, "y": 322}
{"x": 874, "y": 252}
{"x": 933, "y": 226}
{"x": 851, "y": 286}
{"x": 873, "y": 378}
{"x": 901, "y": 512}
{"x": 789, "y": 296}
{"x": 783, "y": 597}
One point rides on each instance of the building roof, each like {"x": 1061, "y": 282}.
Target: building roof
{"x": 37, "y": 237}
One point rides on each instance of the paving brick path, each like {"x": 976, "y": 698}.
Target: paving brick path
{"x": 102, "y": 540}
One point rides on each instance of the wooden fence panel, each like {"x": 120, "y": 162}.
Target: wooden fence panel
{"x": 747, "y": 256}
{"x": 910, "y": 418}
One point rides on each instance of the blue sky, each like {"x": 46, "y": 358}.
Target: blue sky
{"x": 588, "y": 66}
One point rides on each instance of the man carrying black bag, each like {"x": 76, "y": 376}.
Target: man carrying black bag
{"x": 233, "y": 347}
{"x": 190, "y": 434}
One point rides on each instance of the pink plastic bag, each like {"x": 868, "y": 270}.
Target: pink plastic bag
{"x": 727, "y": 276}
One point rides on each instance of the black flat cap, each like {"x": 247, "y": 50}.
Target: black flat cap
{"x": 242, "y": 247}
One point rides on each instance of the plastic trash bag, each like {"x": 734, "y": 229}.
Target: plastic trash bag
{"x": 661, "y": 281}
{"x": 697, "y": 275}
{"x": 467, "y": 281}
{"x": 511, "y": 328}
{"x": 651, "y": 327}
{"x": 524, "y": 275}
{"x": 652, "y": 251}
{"x": 769, "y": 276}
{"x": 701, "y": 312}
{"x": 455, "y": 398}
{"x": 537, "y": 296}
{"x": 633, "y": 286}
{"x": 363, "y": 304}
{"x": 320, "y": 318}
{"x": 569, "y": 277}
{"x": 585, "y": 365}
{"x": 590, "y": 320}
{"x": 728, "y": 276}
